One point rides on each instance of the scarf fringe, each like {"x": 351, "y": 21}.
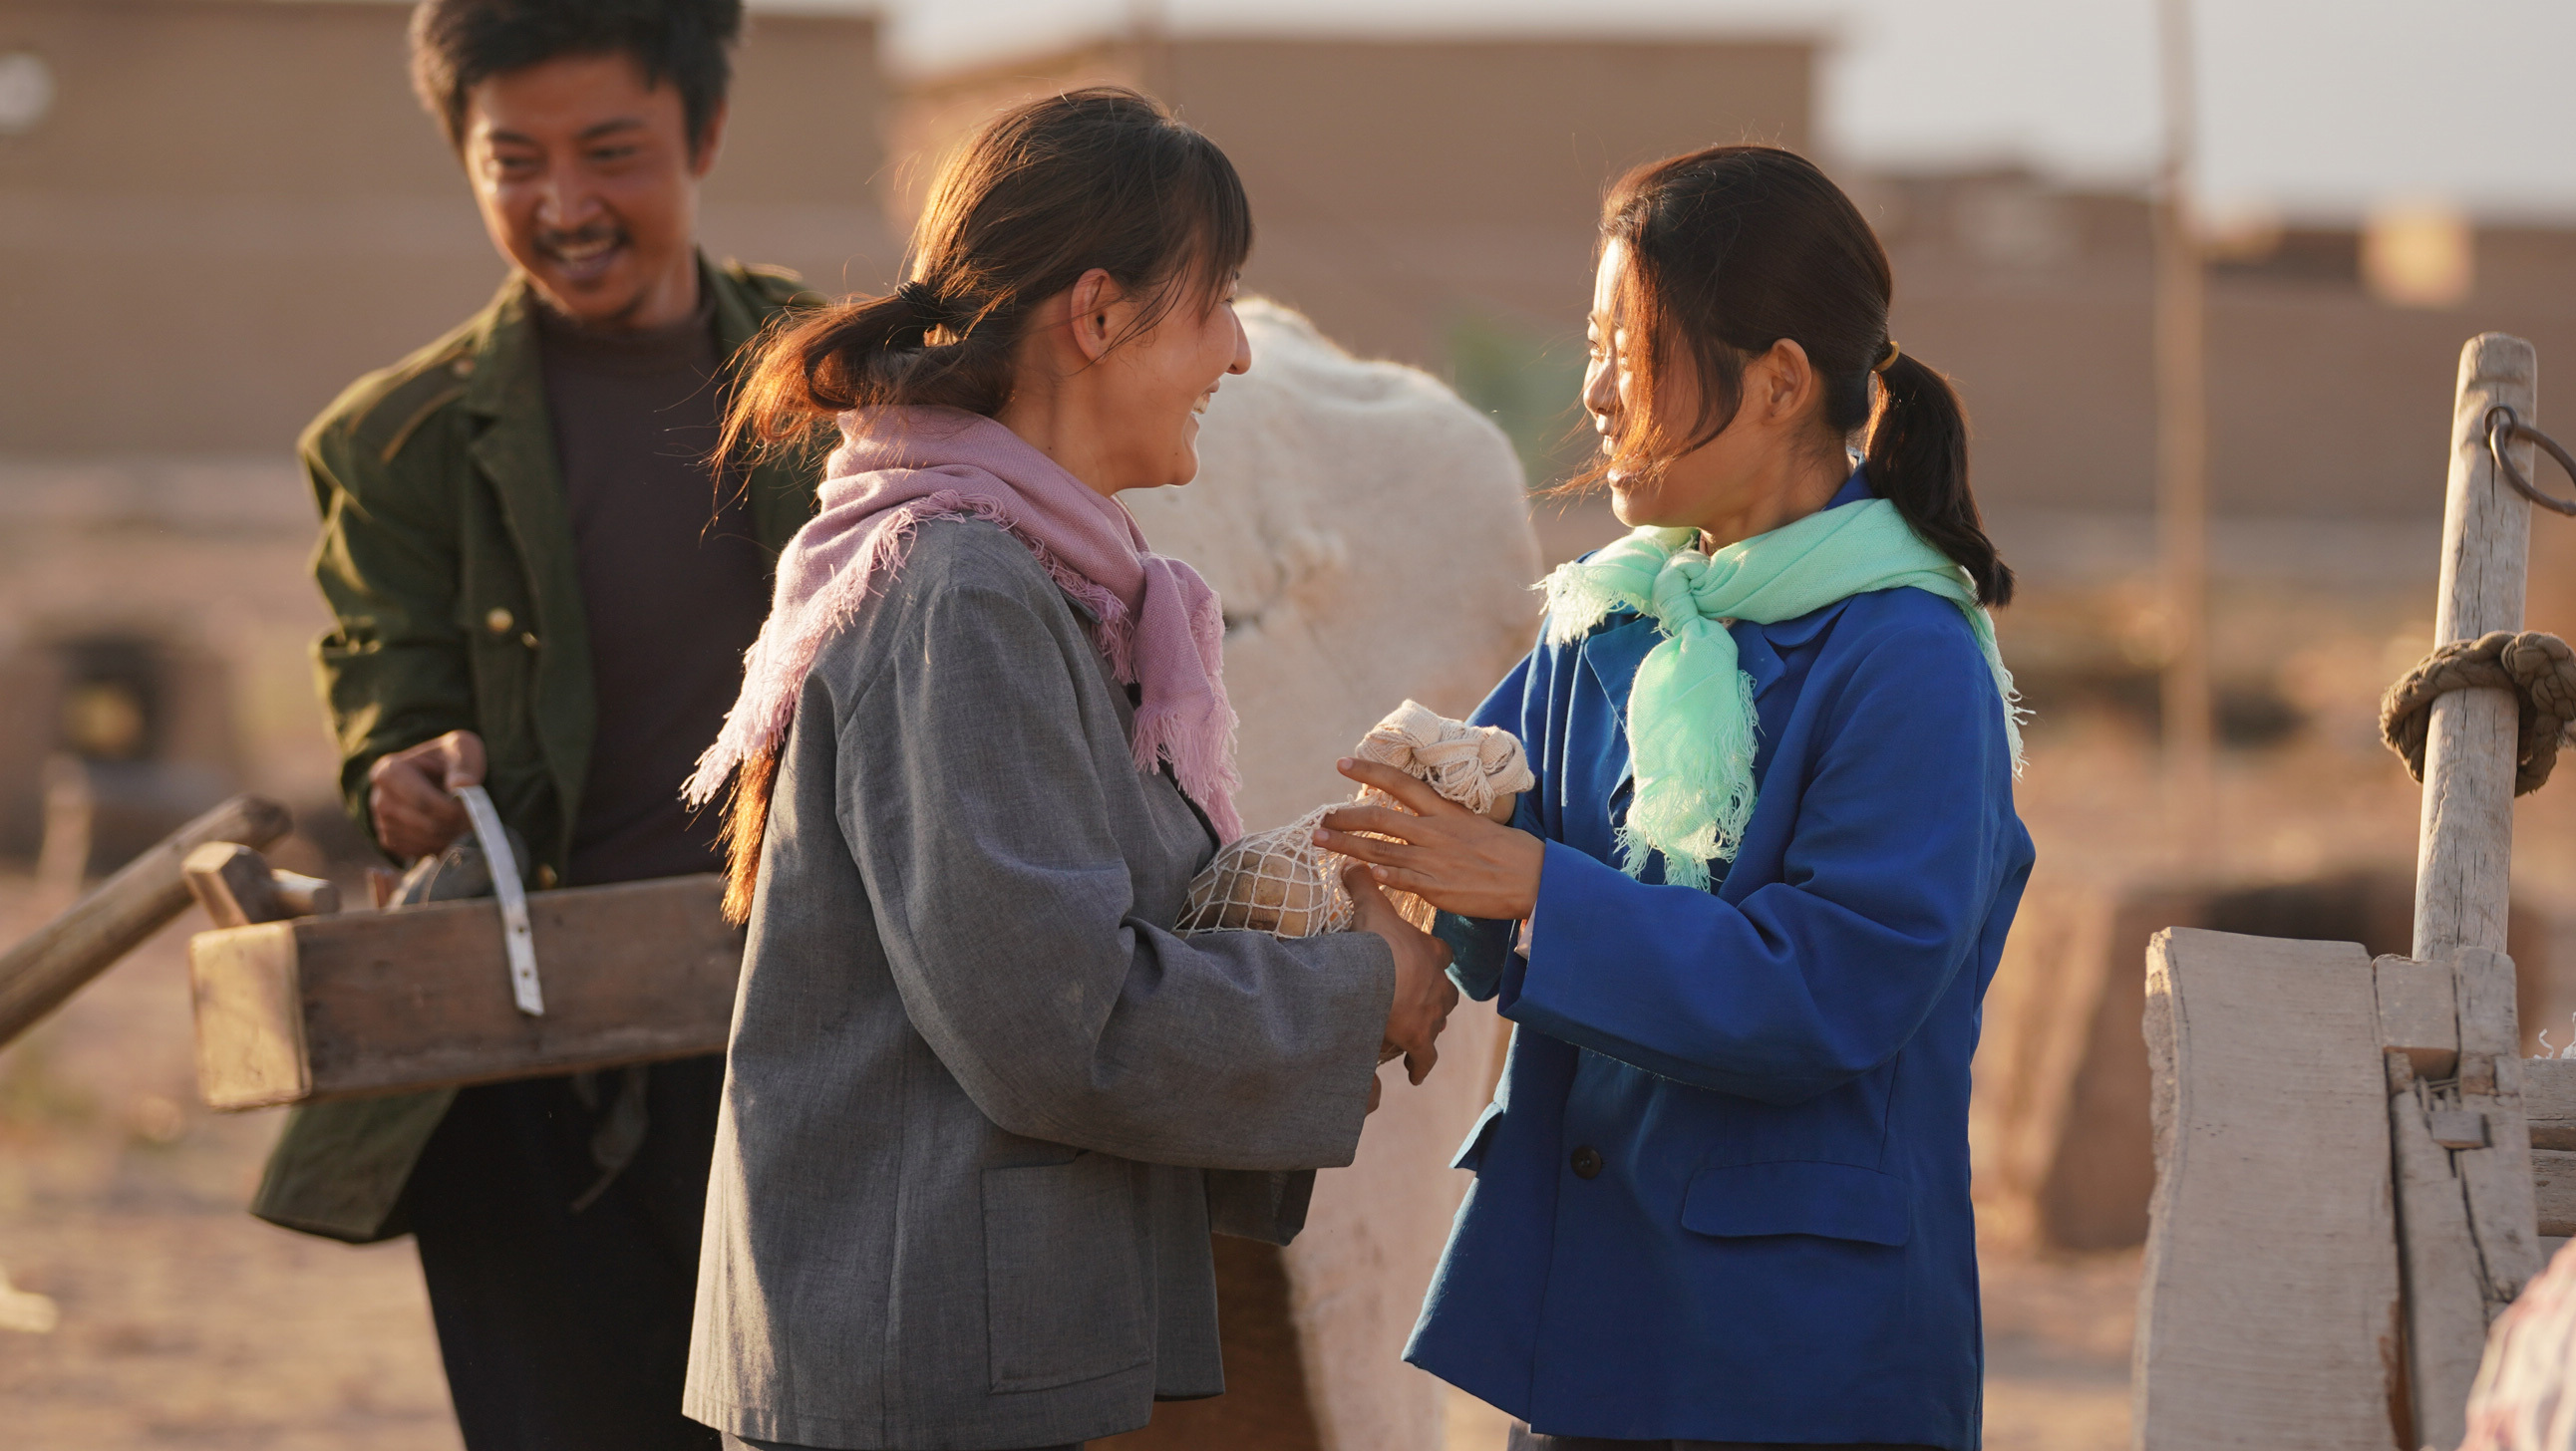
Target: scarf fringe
{"x": 1202, "y": 761}
{"x": 1695, "y": 790}
{"x": 1698, "y": 813}
{"x": 1163, "y": 734}
{"x": 755, "y": 725}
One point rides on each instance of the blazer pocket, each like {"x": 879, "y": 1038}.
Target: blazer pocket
{"x": 1063, "y": 1276}
{"x": 1471, "y": 1154}
{"x": 1831, "y": 1201}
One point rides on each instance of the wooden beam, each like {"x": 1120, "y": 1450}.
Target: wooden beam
{"x": 2553, "y": 1184}
{"x": 237, "y": 887}
{"x": 2419, "y": 1014}
{"x": 2268, "y": 1311}
{"x": 2446, "y": 1322}
{"x": 2494, "y": 1170}
{"x": 2464, "y": 848}
{"x": 233, "y": 883}
{"x": 304, "y": 896}
{"x": 56, "y": 959}
{"x": 2465, "y": 1210}
{"x": 319, "y": 1008}
{"x": 2464, "y": 1175}
{"x": 2549, "y": 1106}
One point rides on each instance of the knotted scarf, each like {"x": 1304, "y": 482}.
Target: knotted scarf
{"x": 1158, "y": 622}
{"x": 1691, "y": 723}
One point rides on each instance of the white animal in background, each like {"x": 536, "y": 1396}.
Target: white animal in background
{"x": 1369, "y": 532}
{"x": 2525, "y": 1396}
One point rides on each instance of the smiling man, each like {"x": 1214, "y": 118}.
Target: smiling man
{"x": 541, "y": 585}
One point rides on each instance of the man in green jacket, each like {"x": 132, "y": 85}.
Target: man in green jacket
{"x": 542, "y": 585}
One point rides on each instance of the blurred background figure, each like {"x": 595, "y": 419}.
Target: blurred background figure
{"x": 215, "y": 212}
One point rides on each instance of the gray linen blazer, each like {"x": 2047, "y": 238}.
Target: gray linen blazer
{"x": 982, "y": 1107}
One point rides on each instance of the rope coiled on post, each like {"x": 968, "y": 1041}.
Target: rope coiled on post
{"x": 2540, "y": 670}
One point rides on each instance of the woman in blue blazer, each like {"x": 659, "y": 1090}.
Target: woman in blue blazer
{"x": 1745, "y": 919}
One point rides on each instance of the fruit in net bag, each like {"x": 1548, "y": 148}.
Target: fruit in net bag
{"x": 1278, "y": 881}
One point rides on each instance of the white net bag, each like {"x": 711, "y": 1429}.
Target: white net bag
{"x": 1278, "y": 881}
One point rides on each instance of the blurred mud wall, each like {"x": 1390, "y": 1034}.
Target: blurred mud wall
{"x": 2329, "y": 391}
{"x": 215, "y": 215}
{"x": 231, "y": 208}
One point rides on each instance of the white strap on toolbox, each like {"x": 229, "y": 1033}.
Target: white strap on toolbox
{"x": 515, "y": 936}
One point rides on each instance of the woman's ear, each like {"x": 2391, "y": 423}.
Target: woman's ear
{"x": 1784, "y": 380}
{"x": 1093, "y": 304}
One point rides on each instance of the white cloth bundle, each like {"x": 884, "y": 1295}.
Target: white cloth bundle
{"x": 1278, "y": 881}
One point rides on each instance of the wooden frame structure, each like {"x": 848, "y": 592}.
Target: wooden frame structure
{"x": 304, "y": 1009}
{"x": 2348, "y": 1191}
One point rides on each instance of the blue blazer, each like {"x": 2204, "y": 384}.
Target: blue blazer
{"x": 1722, "y": 1190}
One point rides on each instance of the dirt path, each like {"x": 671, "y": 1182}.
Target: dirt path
{"x": 184, "y": 1323}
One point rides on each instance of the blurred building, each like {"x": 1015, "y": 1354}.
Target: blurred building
{"x": 1435, "y": 200}
{"x": 214, "y": 215}
{"x": 2332, "y": 346}
{"x": 218, "y": 212}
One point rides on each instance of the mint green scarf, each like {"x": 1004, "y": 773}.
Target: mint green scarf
{"x": 1691, "y": 724}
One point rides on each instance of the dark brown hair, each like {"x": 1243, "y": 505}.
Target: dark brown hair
{"x": 1734, "y": 248}
{"x": 457, "y": 45}
{"x": 1101, "y": 177}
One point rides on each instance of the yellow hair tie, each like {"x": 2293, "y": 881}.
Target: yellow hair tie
{"x": 1888, "y": 360}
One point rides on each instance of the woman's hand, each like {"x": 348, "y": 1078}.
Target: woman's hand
{"x": 1423, "y": 993}
{"x": 1445, "y": 854}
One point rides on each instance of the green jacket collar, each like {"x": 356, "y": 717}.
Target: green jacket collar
{"x": 512, "y": 444}
{"x": 514, "y": 439}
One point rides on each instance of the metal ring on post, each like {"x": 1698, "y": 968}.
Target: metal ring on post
{"x": 2503, "y": 423}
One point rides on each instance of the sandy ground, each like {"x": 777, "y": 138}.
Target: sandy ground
{"x": 184, "y": 1323}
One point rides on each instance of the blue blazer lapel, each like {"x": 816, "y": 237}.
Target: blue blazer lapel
{"x": 1611, "y": 658}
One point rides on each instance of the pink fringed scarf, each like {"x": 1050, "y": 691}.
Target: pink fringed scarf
{"x": 1158, "y": 622}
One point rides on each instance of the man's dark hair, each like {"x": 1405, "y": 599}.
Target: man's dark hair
{"x": 457, "y": 45}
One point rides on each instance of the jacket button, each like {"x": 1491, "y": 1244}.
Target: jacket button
{"x": 546, "y": 879}
{"x": 499, "y": 621}
{"x": 529, "y": 639}
{"x": 1587, "y": 1162}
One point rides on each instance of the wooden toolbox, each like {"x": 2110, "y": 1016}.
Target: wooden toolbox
{"x": 315, "y": 1008}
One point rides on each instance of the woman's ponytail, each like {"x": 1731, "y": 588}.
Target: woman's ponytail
{"x": 912, "y": 345}
{"x": 1918, "y": 461}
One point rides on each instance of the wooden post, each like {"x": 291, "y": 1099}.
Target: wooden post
{"x": 2459, "y": 1140}
{"x": 59, "y": 957}
{"x": 2266, "y": 1080}
{"x": 2464, "y": 848}
{"x": 2182, "y": 453}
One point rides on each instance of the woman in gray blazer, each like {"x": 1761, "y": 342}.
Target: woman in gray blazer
{"x": 982, "y": 1106}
